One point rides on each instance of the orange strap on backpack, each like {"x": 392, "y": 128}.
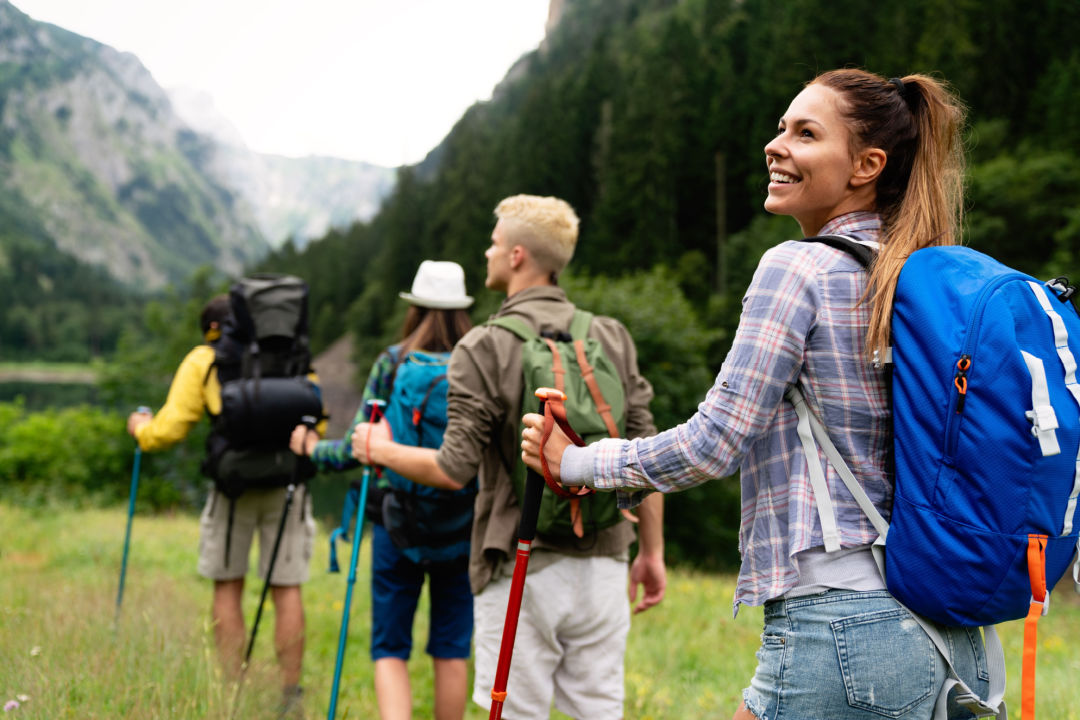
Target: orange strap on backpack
{"x": 555, "y": 412}
{"x": 603, "y": 408}
{"x": 589, "y": 377}
{"x": 1036, "y": 560}
{"x": 557, "y": 369}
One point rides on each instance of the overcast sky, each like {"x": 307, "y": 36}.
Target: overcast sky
{"x": 375, "y": 80}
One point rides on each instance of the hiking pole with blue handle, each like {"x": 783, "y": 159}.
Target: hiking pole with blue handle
{"x": 131, "y": 514}
{"x": 530, "y": 512}
{"x": 372, "y": 407}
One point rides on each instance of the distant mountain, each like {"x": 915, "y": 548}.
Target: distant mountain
{"x": 92, "y": 154}
{"x": 98, "y": 161}
{"x": 298, "y": 198}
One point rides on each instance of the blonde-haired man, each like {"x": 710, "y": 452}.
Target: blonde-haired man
{"x": 546, "y": 226}
{"x": 571, "y": 636}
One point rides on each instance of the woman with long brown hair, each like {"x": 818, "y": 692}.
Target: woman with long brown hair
{"x": 880, "y": 161}
{"x": 409, "y": 376}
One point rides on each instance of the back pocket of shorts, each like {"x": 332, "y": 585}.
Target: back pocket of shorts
{"x": 886, "y": 659}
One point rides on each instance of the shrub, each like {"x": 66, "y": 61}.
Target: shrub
{"x": 77, "y": 456}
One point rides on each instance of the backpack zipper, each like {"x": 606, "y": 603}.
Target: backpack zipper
{"x": 960, "y": 381}
{"x": 966, "y": 360}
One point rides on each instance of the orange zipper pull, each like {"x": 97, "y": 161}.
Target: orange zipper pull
{"x": 960, "y": 381}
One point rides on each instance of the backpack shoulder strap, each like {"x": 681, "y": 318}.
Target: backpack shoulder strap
{"x": 579, "y": 331}
{"x": 589, "y": 376}
{"x": 514, "y": 325}
{"x": 864, "y": 254}
{"x": 397, "y": 358}
{"x": 812, "y": 435}
{"x": 579, "y": 326}
{"x": 418, "y": 412}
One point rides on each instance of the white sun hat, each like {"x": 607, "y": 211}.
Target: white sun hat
{"x": 440, "y": 285}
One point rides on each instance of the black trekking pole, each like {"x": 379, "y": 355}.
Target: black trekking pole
{"x": 131, "y": 514}
{"x": 530, "y": 512}
{"x": 290, "y": 490}
{"x": 358, "y": 530}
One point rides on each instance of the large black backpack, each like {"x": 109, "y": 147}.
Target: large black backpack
{"x": 262, "y": 361}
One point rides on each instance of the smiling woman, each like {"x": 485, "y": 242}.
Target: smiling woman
{"x": 878, "y": 161}
{"x": 814, "y": 176}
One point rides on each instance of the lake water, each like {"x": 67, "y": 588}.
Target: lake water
{"x": 39, "y": 396}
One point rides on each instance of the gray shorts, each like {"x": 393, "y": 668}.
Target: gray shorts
{"x": 257, "y": 510}
{"x": 570, "y": 643}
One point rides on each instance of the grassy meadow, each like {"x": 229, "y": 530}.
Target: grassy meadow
{"x": 59, "y": 646}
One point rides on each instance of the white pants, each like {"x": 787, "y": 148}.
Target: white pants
{"x": 570, "y": 643}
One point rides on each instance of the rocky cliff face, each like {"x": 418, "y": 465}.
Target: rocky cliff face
{"x": 297, "y": 198}
{"x": 93, "y": 156}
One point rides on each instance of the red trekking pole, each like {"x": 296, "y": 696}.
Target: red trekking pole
{"x": 530, "y": 511}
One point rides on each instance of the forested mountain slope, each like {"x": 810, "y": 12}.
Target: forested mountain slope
{"x": 650, "y": 117}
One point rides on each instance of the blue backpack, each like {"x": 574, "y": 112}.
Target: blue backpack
{"x": 430, "y": 526}
{"x": 986, "y": 422}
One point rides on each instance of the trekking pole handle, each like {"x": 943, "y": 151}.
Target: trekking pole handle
{"x": 309, "y": 421}
{"x": 534, "y": 482}
{"x": 144, "y": 409}
{"x": 373, "y": 405}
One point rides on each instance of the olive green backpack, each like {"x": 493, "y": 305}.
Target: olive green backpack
{"x": 595, "y": 408}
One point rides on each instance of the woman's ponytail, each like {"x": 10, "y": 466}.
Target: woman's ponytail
{"x": 917, "y": 121}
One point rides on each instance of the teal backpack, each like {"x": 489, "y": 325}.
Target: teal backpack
{"x": 429, "y": 526}
{"x": 595, "y": 408}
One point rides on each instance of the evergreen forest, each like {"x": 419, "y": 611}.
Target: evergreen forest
{"x": 649, "y": 117}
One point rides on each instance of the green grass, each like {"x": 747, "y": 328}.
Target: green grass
{"x": 58, "y": 645}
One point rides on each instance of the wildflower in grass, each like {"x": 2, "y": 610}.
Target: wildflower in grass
{"x": 22, "y": 698}
{"x": 11, "y": 705}
{"x": 35, "y": 651}
{"x": 1055, "y": 644}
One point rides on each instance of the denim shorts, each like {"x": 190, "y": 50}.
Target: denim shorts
{"x": 843, "y": 655}
{"x": 396, "y": 582}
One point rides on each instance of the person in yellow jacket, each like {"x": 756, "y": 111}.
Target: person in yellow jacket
{"x": 195, "y": 390}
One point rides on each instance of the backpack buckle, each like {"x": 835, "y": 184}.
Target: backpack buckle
{"x": 1043, "y": 419}
{"x": 1062, "y": 288}
{"x": 973, "y": 704}
{"x": 1045, "y": 603}
{"x": 556, "y": 335}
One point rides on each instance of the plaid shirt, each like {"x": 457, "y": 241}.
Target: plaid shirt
{"x": 337, "y": 454}
{"x": 802, "y": 322}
